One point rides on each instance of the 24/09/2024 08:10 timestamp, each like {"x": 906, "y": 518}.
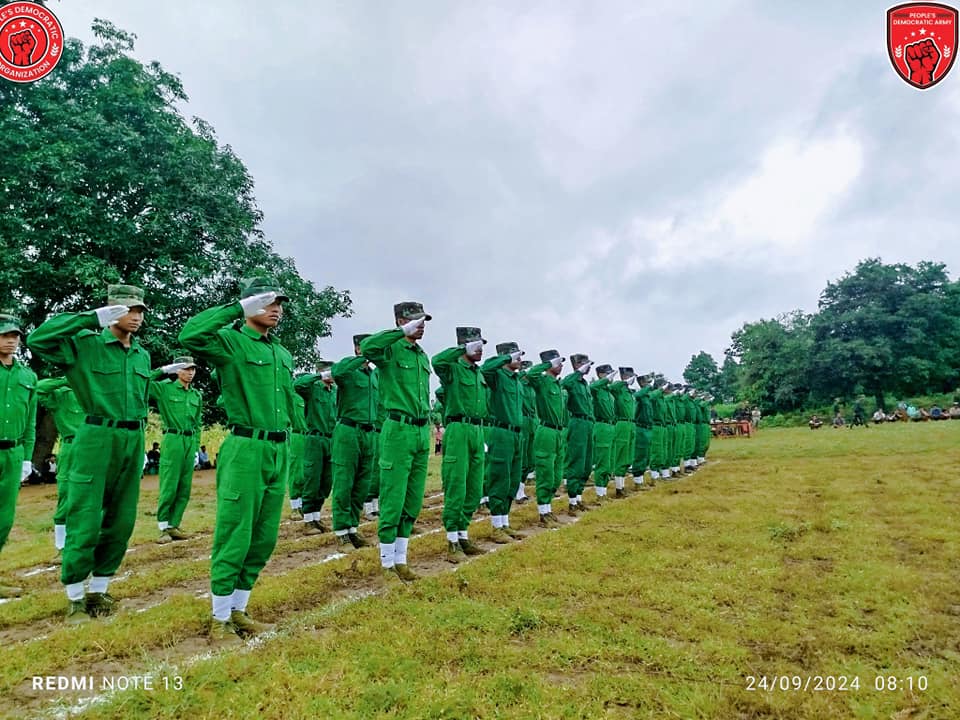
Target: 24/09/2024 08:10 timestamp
{"x": 834, "y": 683}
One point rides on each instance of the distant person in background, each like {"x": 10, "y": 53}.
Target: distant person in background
{"x": 955, "y": 411}
{"x": 153, "y": 460}
{"x": 815, "y": 422}
{"x": 203, "y": 459}
{"x": 879, "y": 417}
{"x": 438, "y": 439}
{"x": 48, "y": 469}
{"x": 859, "y": 415}
{"x": 838, "y": 420}
{"x": 937, "y": 413}
{"x": 755, "y": 417}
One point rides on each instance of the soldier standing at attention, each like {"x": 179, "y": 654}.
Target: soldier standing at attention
{"x": 579, "y": 449}
{"x": 405, "y": 439}
{"x": 603, "y": 411}
{"x": 658, "y": 431}
{"x": 320, "y": 394}
{"x": 464, "y": 414}
{"x": 530, "y": 424}
{"x": 548, "y": 443}
{"x": 181, "y": 412}
{"x": 298, "y": 443}
{"x": 624, "y": 408}
{"x": 644, "y": 422}
{"x": 110, "y": 373}
{"x": 256, "y": 382}
{"x": 18, "y": 423}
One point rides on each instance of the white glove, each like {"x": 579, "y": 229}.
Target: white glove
{"x": 255, "y": 304}
{"x": 585, "y": 368}
{"x": 172, "y": 368}
{"x": 109, "y": 314}
{"x": 471, "y": 347}
{"x": 632, "y": 380}
{"x": 515, "y": 356}
{"x": 326, "y": 375}
{"x": 411, "y": 327}
{"x": 556, "y": 362}
{"x": 28, "y": 467}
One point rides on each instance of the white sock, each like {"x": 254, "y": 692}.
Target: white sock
{"x": 544, "y": 509}
{"x": 452, "y": 536}
{"x": 340, "y": 533}
{"x": 401, "y": 554}
{"x": 654, "y": 475}
{"x": 485, "y": 499}
{"x": 496, "y": 521}
{"x": 563, "y": 482}
{"x": 163, "y": 525}
{"x": 75, "y": 591}
{"x": 353, "y": 531}
{"x": 99, "y": 584}
{"x": 638, "y": 479}
{"x": 221, "y": 607}
{"x": 368, "y": 508}
{"x": 676, "y": 468}
{"x": 601, "y": 491}
{"x": 521, "y": 492}
{"x": 667, "y": 473}
{"x": 618, "y": 482}
{"x": 376, "y": 504}
{"x": 579, "y": 498}
{"x": 505, "y": 519}
{"x": 531, "y": 475}
{"x": 59, "y": 536}
{"x": 461, "y": 535}
{"x": 240, "y": 600}
{"x": 572, "y": 501}
{"x": 702, "y": 459}
{"x": 387, "y": 554}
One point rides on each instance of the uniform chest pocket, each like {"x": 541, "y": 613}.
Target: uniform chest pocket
{"x": 108, "y": 380}
{"x": 259, "y": 373}
{"x": 22, "y": 391}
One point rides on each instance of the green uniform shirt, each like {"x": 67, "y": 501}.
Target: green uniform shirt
{"x": 404, "y": 372}
{"x": 579, "y": 398}
{"x": 550, "y": 406}
{"x": 18, "y": 406}
{"x": 56, "y": 395}
{"x": 180, "y": 408}
{"x": 506, "y": 391}
{"x": 358, "y": 389}
{"x": 644, "y": 416}
{"x": 321, "y": 402}
{"x": 299, "y": 419}
{"x": 602, "y": 400}
{"x": 110, "y": 380}
{"x": 624, "y": 406}
{"x": 529, "y": 397}
{"x": 658, "y": 409}
{"x": 670, "y": 409}
{"x": 255, "y": 371}
{"x": 464, "y": 389}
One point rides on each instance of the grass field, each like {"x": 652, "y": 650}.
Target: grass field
{"x": 828, "y": 558}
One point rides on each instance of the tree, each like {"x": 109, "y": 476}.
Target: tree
{"x": 702, "y": 373}
{"x": 103, "y": 180}
{"x": 728, "y": 380}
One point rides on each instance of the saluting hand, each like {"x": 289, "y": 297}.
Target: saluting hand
{"x": 109, "y": 314}
{"x": 471, "y": 347}
{"x": 410, "y": 328}
{"x": 173, "y": 367}
{"x": 255, "y": 304}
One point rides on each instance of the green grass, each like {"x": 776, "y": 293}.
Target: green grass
{"x": 794, "y": 553}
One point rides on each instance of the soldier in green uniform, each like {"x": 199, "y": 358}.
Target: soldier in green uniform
{"x": 355, "y": 439}
{"x": 181, "y": 412}
{"x": 320, "y": 394}
{"x": 644, "y": 430}
{"x": 371, "y": 508}
{"x": 670, "y": 400}
{"x": 603, "y": 426}
{"x": 110, "y": 373}
{"x": 689, "y": 430}
{"x": 464, "y": 414}
{"x": 658, "y": 431}
{"x": 256, "y": 382}
{"x": 405, "y": 439}
{"x": 56, "y": 395}
{"x": 18, "y": 423}
{"x": 624, "y": 407}
{"x": 548, "y": 450}
{"x": 579, "y": 443}
{"x": 505, "y": 441}
{"x": 298, "y": 442}
{"x": 530, "y": 424}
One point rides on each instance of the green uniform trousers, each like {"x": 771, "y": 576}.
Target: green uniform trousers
{"x": 462, "y": 474}
{"x": 641, "y": 450}
{"x": 251, "y": 481}
{"x": 503, "y": 469}
{"x": 295, "y": 481}
{"x": 487, "y": 430}
{"x": 373, "y": 491}
{"x": 548, "y": 462}
{"x": 176, "y": 476}
{"x": 404, "y": 452}
{"x": 104, "y": 487}
{"x": 671, "y": 444}
{"x": 63, "y": 471}
{"x": 689, "y": 440}
{"x": 602, "y": 453}
{"x": 317, "y": 472}
{"x": 658, "y": 450}
{"x": 707, "y": 437}
{"x": 352, "y": 456}
{"x": 11, "y": 468}
{"x": 622, "y": 447}
{"x": 528, "y": 433}
{"x": 579, "y": 455}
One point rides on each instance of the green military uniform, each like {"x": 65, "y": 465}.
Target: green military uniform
{"x": 256, "y": 380}
{"x": 579, "y": 443}
{"x": 405, "y": 439}
{"x": 702, "y": 414}
{"x": 56, "y": 395}
{"x": 658, "y": 434}
{"x": 321, "y": 402}
{"x": 548, "y": 448}
{"x": 504, "y": 458}
{"x": 689, "y": 431}
{"x": 643, "y": 419}
{"x": 603, "y": 429}
{"x": 371, "y": 507}
{"x": 111, "y": 383}
{"x": 297, "y": 444}
{"x": 355, "y": 439}
{"x": 181, "y": 412}
{"x": 464, "y": 414}
{"x": 624, "y": 407}
{"x": 531, "y": 421}
{"x": 671, "y": 443}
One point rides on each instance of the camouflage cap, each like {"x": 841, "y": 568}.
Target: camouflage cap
{"x": 10, "y": 323}
{"x": 526, "y": 364}
{"x": 261, "y": 284}
{"x": 548, "y": 355}
{"x": 129, "y": 295}
{"x": 469, "y": 334}
{"x": 410, "y": 311}
{"x": 357, "y": 339}
{"x": 578, "y": 359}
{"x": 604, "y": 369}
{"x": 507, "y": 348}
{"x": 626, "y": 373}
{"x": 186, "y": 359}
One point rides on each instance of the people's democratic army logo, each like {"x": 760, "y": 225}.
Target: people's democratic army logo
{"x": 31, "y": 41}
{"x": 922, "y": 42}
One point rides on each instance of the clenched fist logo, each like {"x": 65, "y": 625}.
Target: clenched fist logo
{"x": 922, "y": 59}
{"x": 22, "y": 45}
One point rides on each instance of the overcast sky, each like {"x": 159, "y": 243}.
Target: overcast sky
{"x": 633, "y": 180}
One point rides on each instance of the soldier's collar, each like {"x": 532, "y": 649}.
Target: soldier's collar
{"x": 108, "y": 337}
{"x": 251, "y": 333}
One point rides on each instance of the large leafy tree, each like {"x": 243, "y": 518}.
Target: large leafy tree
{"x": 702, "y": 373}
{"x": 728, "y": 380}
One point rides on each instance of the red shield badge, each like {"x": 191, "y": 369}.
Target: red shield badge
{"x": 922, "y": 41}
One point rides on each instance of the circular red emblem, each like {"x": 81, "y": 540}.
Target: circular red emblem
{"x": 31, "y": 41}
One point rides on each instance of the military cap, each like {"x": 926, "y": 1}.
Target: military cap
{"x": 129, "y": 295}
{"x": 578, "y": 359}
{"x": 549, "y": 355}
{"x": 410, "y": 311}
{"x": 186, "y": 360}
{"x": 324, "y": 365}
{"x": 641, "y": 379}
{"x": 604, "y": 369}
{"x": 261, "y": 284}
{"x": 357, "y": 339}
{"x": 508, "y": 348}
{"x": 526, "y": 364}
{"x": 10, "y": 323}
{"x": 626, "y": 372}
{"x": 469, "y": 334}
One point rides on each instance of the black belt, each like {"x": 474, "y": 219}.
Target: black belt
{"x": 318, "y": 433}
{"x": 187, "y": 433}
{"x": 582, "y": 417}
{"x": 505, "y": 426}
{"x": 401, "y": 418}
{"x": 366, "y": 427}
{"x": 464, "y": 419}
{"x": 119, "y": 424}
{"x": 552, "y": 426}
{"x": 8, "y": 444}
{"x": 67, "y": 440}
{"x": 271, "y": 435}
